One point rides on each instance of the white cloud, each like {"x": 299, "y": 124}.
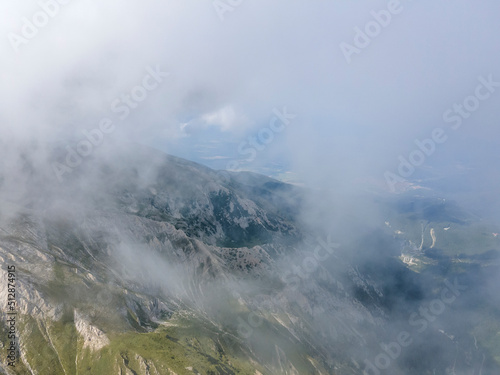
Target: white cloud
{"x": 226, "y": 119}
{"x": 231, "y": 74}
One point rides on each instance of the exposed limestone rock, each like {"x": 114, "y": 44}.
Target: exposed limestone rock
{"x": 93, "y": 337}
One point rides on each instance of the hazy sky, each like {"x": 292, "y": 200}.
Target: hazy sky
{"x": 230, "y": 66}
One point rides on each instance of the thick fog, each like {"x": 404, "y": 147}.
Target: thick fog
{"x": 360, "y": 101}
{"x": 355, "y": 98}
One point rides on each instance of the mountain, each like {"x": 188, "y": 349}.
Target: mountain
{"x": 144, "y": 263}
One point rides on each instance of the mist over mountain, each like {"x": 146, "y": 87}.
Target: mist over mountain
{"x": 249, "y": 187}
{"x": 221, "y": 269}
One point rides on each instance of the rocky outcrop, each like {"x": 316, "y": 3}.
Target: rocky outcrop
{"x": 93, "y": 337}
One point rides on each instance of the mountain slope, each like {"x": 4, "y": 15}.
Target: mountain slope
{"x": 142, "y": 263}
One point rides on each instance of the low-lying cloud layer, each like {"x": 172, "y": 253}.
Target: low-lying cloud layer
{"x": 388, "y": 86}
